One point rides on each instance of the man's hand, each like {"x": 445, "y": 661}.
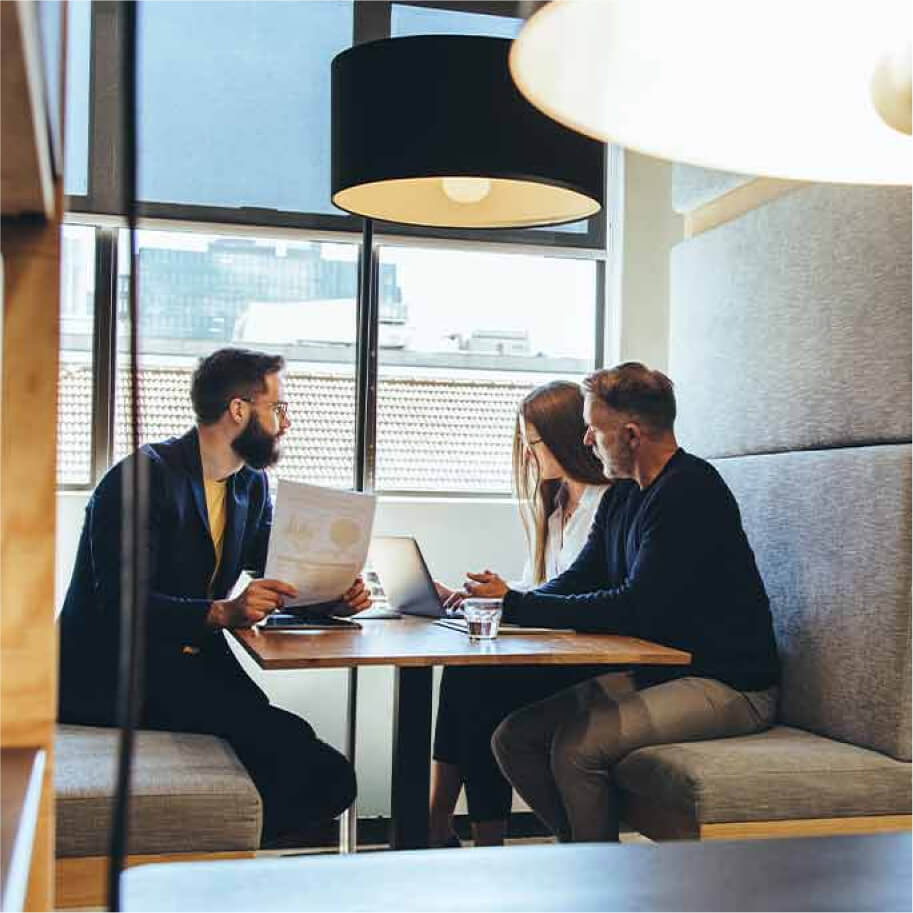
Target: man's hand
{"x": 259, "y": 599}
{"x": 357, "y": 598}
{"x": 486, "y": 585}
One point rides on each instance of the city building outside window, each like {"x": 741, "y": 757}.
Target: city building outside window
{"x": 478, "y": 331}
{"x": 199, "y": 292}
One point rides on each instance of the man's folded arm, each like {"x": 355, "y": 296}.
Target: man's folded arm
{"x": 169, "y": 619}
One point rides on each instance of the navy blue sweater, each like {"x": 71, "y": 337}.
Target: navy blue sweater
{"x": 671, "y": 564}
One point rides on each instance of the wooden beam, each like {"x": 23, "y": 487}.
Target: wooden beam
{"x": 805, "y": 827}
{"x": 21, "y": 775}
{"x": 28, "y": 469}
{"x": 663, "y": 822}
{"x": 735, "y": 203}
{"x": 26, "y": 167}
{"x": 83, "y": 881}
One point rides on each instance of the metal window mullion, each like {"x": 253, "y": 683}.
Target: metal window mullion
{"x": 372, "y": 369}
{"x": 104, "y": 351}
{"x": 191, "y": 216}
{"x": 105, "y": 89}
{"x": 366, "y": 362}
{"x": 370, "y": 20}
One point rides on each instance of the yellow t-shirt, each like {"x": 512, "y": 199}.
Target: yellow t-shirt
{"x": 215, "y": 507}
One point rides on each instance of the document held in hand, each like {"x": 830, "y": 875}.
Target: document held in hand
{"x": 319, "y": 539}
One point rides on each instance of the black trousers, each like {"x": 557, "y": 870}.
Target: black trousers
{"x": 302, "y": 780}
{"x": 472, "y": 701}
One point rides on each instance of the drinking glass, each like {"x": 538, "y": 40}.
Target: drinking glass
{"x": 483, "y": 617}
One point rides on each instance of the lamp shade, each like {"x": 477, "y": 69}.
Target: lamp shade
{"x": 813, "y": 90}
{"x": 431, "y": 130}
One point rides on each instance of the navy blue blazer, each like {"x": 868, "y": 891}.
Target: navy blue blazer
{"x": 179, "y": 564}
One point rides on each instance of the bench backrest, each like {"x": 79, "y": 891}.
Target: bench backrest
{"x": 790, "y": 349}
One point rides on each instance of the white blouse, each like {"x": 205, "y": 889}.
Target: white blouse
{"x": 564, "y": 542}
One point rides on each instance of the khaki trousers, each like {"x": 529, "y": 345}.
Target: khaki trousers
{"x": 559, "y": 753}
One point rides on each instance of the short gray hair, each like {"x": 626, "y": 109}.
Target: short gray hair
{"x": 636, "y": 390}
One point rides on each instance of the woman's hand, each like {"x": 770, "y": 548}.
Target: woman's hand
{"x": 450, "y": 599}
{"x": 486, "y": 585}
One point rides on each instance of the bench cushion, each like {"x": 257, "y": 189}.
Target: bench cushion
{"x": 190, "y": 793}
{"x": 780, "y": 774}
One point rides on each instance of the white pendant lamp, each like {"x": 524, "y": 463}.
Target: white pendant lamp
{"x": 816, "y": 90}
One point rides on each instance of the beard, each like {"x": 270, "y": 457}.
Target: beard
{"x": 617, "y": 463}
{"x": 256, "y": 446}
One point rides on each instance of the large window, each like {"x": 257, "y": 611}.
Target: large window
{"x": 234, "y": 110}
{"x": 418, "y": 20}
{"x": 76, "y": 140}
{"x": 241, "y": 246}
{"x": 466, "y": 336}
{"x": 201, "y": 291}
{"x": 235, "y": 102}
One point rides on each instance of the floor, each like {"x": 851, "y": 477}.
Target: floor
{"x": 625, "y": 837}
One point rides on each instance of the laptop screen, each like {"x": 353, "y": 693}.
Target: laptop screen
{"x": 404, "y": 576}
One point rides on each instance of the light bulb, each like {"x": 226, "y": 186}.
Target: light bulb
{"x": 466, "y": 190}
{"x": 892, "y": 88}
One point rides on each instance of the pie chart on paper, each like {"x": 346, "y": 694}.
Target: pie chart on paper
{"x": 345, "y": 533}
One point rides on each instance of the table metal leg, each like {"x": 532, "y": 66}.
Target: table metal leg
{"x": 411, "y": 758}
{"x": 348, "y": 823}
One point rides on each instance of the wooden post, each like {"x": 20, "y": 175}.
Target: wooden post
{"x": 28, "y": 462}
{"x": 31, "y": 193}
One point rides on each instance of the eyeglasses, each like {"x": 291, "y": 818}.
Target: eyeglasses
{"x": 280, "y": 407}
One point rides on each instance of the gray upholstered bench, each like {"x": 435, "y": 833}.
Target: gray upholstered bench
{"x": 190, "y": 798}
{"x": 831, "y": 533}
{"x": 781, "y": 782}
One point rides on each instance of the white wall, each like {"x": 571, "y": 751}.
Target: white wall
{"x": 650, "y": 230}
{"x": 455, "y": 535}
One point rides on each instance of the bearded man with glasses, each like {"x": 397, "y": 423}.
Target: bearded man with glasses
{"x": 209, "y": 517}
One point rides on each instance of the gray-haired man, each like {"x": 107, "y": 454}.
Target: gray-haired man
{"x": 667, "y": 560}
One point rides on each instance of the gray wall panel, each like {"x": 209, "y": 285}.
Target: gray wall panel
{"x": 790, "y": 326}
{"x": 831, "y": 535}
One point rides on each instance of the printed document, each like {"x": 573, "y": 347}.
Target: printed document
{"x": 319, "y": 540}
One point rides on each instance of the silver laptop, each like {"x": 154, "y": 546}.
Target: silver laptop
{"x": 409, "y": 587}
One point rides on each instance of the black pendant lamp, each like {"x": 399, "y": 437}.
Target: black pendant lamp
{"x": 431, "y": 130}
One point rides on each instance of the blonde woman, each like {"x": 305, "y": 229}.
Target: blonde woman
{"x": 559, "y": 484}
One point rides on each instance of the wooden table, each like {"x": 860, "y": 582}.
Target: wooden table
{"x": 817, "y": 873}
{"x": 414, "y": 646}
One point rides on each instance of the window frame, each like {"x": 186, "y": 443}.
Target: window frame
{"x": 99, "y": 209}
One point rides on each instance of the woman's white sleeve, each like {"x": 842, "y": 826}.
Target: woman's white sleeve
{"x": 526, "y": 582}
